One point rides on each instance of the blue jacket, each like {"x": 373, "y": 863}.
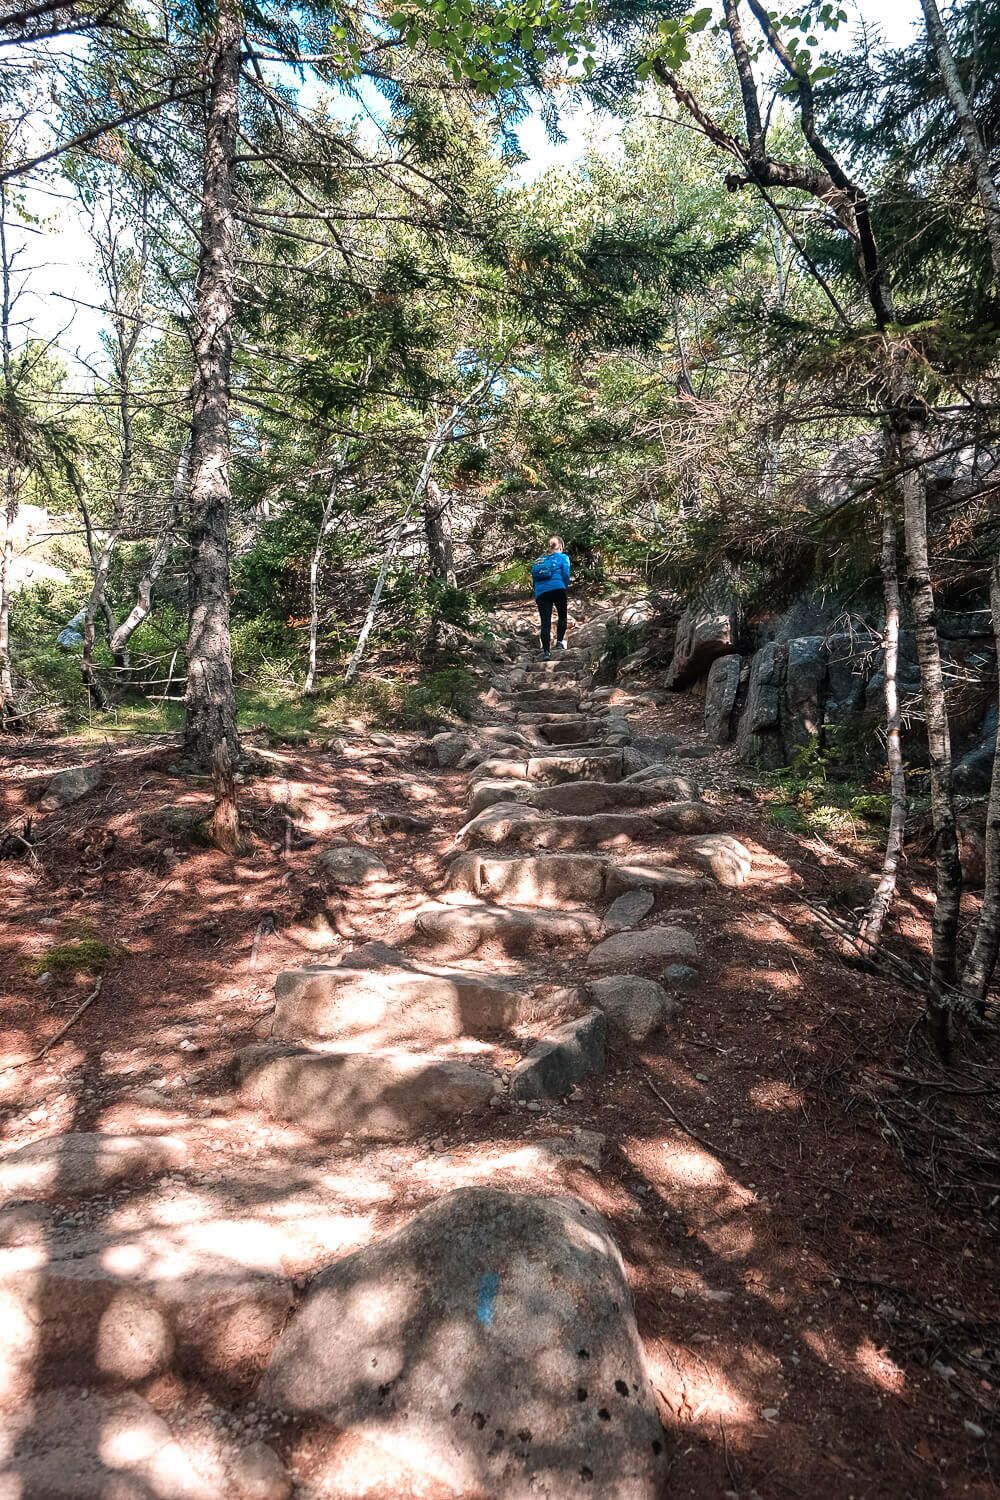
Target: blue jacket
{"x": 560, "y": 573}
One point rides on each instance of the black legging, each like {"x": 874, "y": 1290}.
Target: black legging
{"x": 552, "y": 598}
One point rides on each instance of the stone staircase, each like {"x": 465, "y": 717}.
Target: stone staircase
{"x": 399, "y": 1048}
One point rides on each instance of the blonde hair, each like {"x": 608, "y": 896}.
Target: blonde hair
{"x": 560, "y": 544}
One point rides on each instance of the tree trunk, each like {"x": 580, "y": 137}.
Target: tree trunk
{"x": 121, "y": 636}
{"x": 849, "y": 203}
{"x": 225, "y": 824}
{"x": 433, "y": 447}
{"x": 986, "y": 947}
{"x": 972, "y": 140}
{"x": 440, "y": 553}
{"x": 948, "y": 871}
{"x": 870, "y": 931}
{"x": 210, "y": 700}
{"x": 7, "y": 702}
{"x": 11, "y": 499}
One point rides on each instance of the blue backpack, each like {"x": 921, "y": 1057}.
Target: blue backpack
{"x": 544, "y": 568}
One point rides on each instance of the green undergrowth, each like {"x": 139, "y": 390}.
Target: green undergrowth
{"x": 88, "y": 955}
{"x": 809, "y": 797}
{"x": 286, "y": 717}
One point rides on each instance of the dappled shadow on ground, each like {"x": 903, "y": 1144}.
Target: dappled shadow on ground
{"x": 812, "y": 1314}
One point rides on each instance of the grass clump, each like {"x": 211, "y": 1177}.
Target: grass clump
{"x": 88, "y": 955}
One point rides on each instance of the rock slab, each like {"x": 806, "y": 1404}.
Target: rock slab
{"x": 721, "y": 692}
{"x": 457, "y": 931}
{"x": 628, "y": 910}
{"x": 351, "y": 865}
{"x": 647, "y": 946}
{"x": 375, "y": 1096}
{"x": 84, "y": 1162}
{"x": 488, "y": 1349}
{"x": 561, "y": 1059}
{"x": 392, "y": 1007}
{"x": 529, "y": 880}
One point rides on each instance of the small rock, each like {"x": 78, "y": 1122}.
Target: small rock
{"x": 729, "y": 861}
{"x": 69, "y": 786}
{"x": 974, "y": 1430}
{"x": 680, "y": 973}
{"x": 258, "y": 1474}
{"x": 351, "y": 865}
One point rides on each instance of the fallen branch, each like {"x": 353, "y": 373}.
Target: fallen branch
{"x": 702, "y": 1140}
{"x": 38, "y": 1056}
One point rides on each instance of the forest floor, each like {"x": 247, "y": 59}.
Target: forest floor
{"x": 802, "y": 1195}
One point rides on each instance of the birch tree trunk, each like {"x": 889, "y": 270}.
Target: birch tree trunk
{"x": 979, "y": 160}
{"x": 948, "y": 871}
{"x": 340, "y": 463}
{"x": 437, "y": 527}
{"x": 982, "y": 960}
{"x": 124, "y": 632}
{"x": 433, "y": 449}
{"x": 210, "y": 700}
{"x": 7, "y": 702}
{"x": 98, "y": 593}
{"x": 870, "y": 931}
{"x": 11, "y": 498}
{"x": 847, "y": 200}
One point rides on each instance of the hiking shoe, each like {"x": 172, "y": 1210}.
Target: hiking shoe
{"x": 560, "y": 645}
{"x": 546, "y": 656}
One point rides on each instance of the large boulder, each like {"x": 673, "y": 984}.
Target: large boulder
{"x": 487, "y": 1351}
{"x": 721, "y": 692}
{"x": 974, "y": 772}
{"x": 759, "y": 738}
{"x": 806, "y": 673}
{"x": 704, "y": 631}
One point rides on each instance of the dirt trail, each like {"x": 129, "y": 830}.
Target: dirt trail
{"x": 809, "y": 1316}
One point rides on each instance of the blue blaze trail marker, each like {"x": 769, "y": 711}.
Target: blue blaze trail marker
{"x": 489, "y": 1285}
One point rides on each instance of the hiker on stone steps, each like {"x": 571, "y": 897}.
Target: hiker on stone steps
{"x": 550, "y": 577}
